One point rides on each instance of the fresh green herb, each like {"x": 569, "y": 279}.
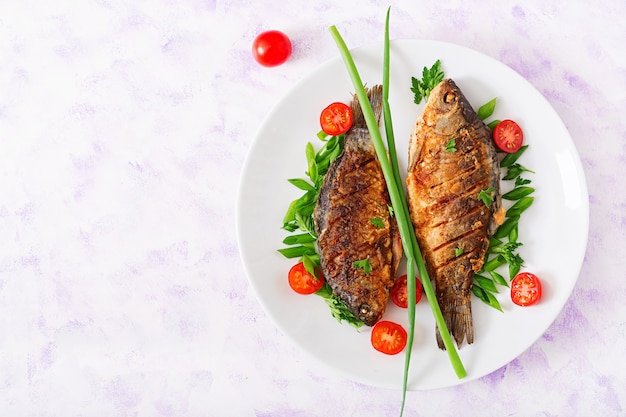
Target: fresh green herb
{"x": 504, "y": 245}
{"x": 520, "y": 206}
{"x": 485, "y": 283}
{"x": 498, "y": 279}
{"x": 377, "y": 222}
{"x": 517, "y": 193}
{"x": 492, "y": 125}
{"x": 363, "y": 264}
{"x": 295, "y": 239}
{"x": 458, "y": 252}
{"x": 485, "y": 296}
{"x": 398, "y": 200}
{"x": 302, "y": 184}
{"x": 299, "y": 217}
{"x": 514, "y": 234}
{"x": 296, "y": 251}
{"x": 486, "y": 196}
{"x": 430, "y": 78}
{"x": 451, "y": 146}
{"x": 338, "y": 308}
{"x": 511, "y": 158}
{"x": 487, "y": 109}
{"x": 515, "y": 171}
{"x": 311, "y": 263}
{"x": 505, "y": 228}
{"x": 401, "y": 211}
{"x": 493, "y": 263}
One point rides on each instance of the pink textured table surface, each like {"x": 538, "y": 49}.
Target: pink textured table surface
{"x": 123, "y": 130}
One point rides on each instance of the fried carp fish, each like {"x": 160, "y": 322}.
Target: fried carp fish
{"x": 454, "y": 200}
{"x": 358, "y": 239}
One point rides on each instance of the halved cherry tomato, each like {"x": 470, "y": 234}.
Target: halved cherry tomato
{"x": 301, "y": 280}
{"x": 388, "y": 337}
{"x": 336, "y": 119}
{"x": 271, "y": 48}
{"x": 525, "y": 289}
{"x": 508, "y": 136}
{"x": 400, "y": 292}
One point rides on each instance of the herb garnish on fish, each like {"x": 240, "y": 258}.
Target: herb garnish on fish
{"x": 430, "y": 78}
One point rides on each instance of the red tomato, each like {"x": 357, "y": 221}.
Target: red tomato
{"x": 525, "y": 289}
{"x": 400, "y": 292}
{"x": 508, "y": 136}
{"x": 271, "y": 48}
{"x": 301, "y": 280}
{"x": 388, "y": 337}
{"x": 336, "y": 119}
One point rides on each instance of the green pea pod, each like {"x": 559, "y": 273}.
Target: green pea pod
{"x": 513, "y": 234}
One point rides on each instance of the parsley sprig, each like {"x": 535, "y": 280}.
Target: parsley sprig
{"x": 450, "y": 146}
{"x": 430, "y": 78}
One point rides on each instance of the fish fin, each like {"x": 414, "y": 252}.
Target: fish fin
{"x": 375, "y": 96}
{"x": 458, "y": 318}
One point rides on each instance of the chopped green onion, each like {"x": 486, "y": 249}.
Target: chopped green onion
{"x": 487, "y": 109}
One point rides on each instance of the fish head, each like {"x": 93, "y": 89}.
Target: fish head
{"x": 445, "y": 107}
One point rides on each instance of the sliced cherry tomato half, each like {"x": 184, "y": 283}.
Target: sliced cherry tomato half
{"x": 388, "y": 337}
{"x": 271, "y": 48}
{"x": 336, "y": 119}
{"x": 508, "y": 136}
{"x": 301, "y": 280}
{"x": 400, "y": 292}
{"x": 525, "y": 289}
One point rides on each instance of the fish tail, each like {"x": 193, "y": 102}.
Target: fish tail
{"x": 375, "y": 96}
{"x": 458, "y": 318}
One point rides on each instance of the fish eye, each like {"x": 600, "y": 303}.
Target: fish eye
{"x": 449, "y": 97}
{"x": 365, "y": 309}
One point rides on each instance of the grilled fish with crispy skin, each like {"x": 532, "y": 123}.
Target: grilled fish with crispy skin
{"x": 452, "y": 159}
{"x": 354, "y": 226}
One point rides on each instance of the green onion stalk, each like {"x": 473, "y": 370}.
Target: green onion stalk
{"x": 398, "y": 201}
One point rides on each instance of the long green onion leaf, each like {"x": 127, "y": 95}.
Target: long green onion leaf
{"x": 393, "y": 158}
{"x": 398, "y": 201}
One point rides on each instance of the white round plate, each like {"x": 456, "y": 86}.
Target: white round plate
{"x": 559, "y": 214}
